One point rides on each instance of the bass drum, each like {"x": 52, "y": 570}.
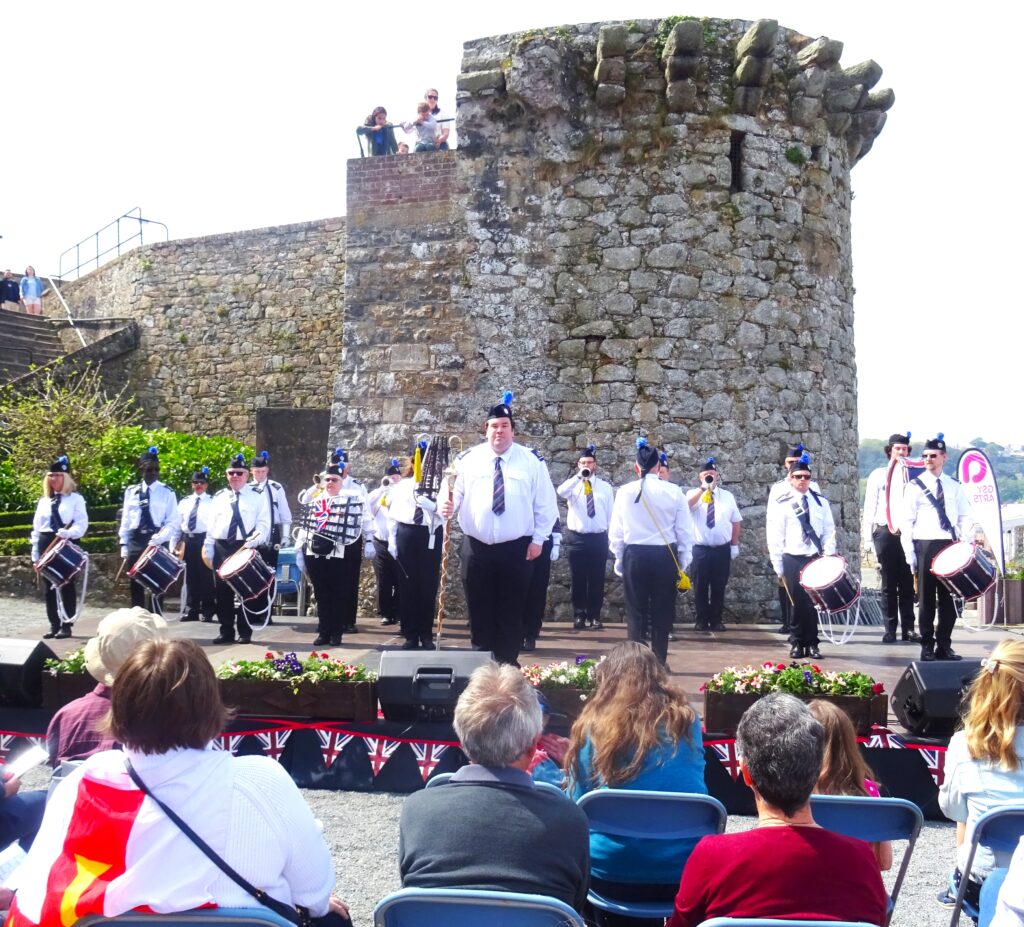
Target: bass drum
{"x": 157, "y": 569}
{"x": 829, "y": 584}
{"x": 61, "y": 563}
{"x": 247, "y": 573}
{"x": 964, "y": 569}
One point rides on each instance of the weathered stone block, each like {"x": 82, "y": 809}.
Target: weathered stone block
{"x": 753, "y": 72}
{"x": 609, "y": 95}
{"x": 867, "y": 74}
{"x": 612, "y": 373}
{"x": 667, "y": 256}
{"x": 409, "y": 357}
{"x": 686, "y": 38}
{"x": 748, "y": 99}
{"x": 681, "y": 96}
{"x": 610, "y": 71}
{"x": 612, "y": 41}
{"x": 649, "y": 371}
{"x": 758, "y": 40}
{"x": 621, "y": 258}
{"x": 481, "y": 80}
{"x": 681, "y": 67}
{"x": 822, "y": 52}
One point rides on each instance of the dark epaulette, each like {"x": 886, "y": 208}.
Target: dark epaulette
{"x": 462, "y": 454}
{"x": 815, "y": 496}
{"x": 357, "y": 482}
{"x": 220, "y": 492}
{"x": 535, "y": 453}
{"x": 785, "y": 497}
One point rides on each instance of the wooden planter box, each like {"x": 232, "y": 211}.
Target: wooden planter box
{"x": 1011, "y": 609}
{"x": 564, "y": 707}
{"x": 62, "y": 688}
{"x": 722, "y": 711}
{"x": 333, "y": 701}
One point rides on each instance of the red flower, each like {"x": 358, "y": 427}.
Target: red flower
{"x": 878, "y": 688}
{"x": 780, "y": 666}
{"x": 268, "y": 656}
{"x": 703, "y": 686}
{"x": 816, "y": 669}
{"x": 325, "y": 656}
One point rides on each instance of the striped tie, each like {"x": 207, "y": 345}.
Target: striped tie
{"x": 711, "y": 513}
{"x": 193, "y": 516}
{"x": 55, "y": 522}
{"x": 498, "y": 499}
{"x": 588, "y": 492}
{"x": 417, "y": 516}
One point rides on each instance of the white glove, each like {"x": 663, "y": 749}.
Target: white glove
{"x": 252, "y": 542}
{"x": 369, "y": 551}
{"x": 555, "y": 551}
{"x": 64, "y": 532}
{"x": 913, "y": 564}
{"x": 393, "y": 550}
{"x": 734, "y": 551}
{"x": 427, "y": 504}
{"x": 35, "y": 555}
{"x": 124, "y": 552}
{"x": 300, "y": 560}
{"x": 617, "y": 568}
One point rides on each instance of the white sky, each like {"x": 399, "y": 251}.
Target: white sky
{"x": 220, "y": 116}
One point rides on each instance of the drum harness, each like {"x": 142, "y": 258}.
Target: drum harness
{"x": 61, "y": 611}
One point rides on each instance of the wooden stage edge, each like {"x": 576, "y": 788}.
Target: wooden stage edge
{"x": 693, "y": 658}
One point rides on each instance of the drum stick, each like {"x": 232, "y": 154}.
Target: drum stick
{"x": 789, "y": 596}
{"x": 120, "y": 570}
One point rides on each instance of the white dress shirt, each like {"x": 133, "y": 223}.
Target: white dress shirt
{"x": 577, "y": 519}
{"x": 920, "y": 520}
{"x": 281, "y": 514}
{"x": 185, "y": 507}
{"x": 72, "y": 514}
{"x": 785, "y": 533}
{"x": 727, "y": 514}
{"x": 253, "y": 508}
{"x": 163, "y": 510}
{"x": 380, "y": 501}
{"x": 784, "y": 486}
{"x": 530, "y": 503}
{"x": 874, "y": 511}
{"x": 665, "y": 519}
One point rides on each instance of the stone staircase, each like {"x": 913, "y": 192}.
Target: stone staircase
{"x": 26, "y": 342}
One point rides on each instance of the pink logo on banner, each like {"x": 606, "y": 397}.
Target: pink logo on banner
{"x": 973, "y": 468}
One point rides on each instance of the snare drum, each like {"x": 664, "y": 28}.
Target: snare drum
{"x": 964, "y": 570}
{"x": 247, "y": 573}
{"x": 829, "y": 584}
{"x": 61, "y": 563}
{"x": 157, "y": 569}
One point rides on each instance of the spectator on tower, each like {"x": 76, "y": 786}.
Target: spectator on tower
{"x": 380, "y": 134}
{"x": 32, "y": 292}
{"x": 10, "y": 292}
{"x": 425, "y": 128}
{"x": 443, "y": 124}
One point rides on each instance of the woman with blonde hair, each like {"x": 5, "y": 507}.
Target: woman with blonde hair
{"x": 985, "y": 761}
{"x": 60, "y": 515}
{"x": 637, "y": 731}
{"x": 844, "y": 770}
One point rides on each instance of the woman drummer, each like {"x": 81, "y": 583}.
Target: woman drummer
{"x": 60, "y": 515}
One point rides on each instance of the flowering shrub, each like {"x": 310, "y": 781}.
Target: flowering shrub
{"x": 796, "y": 678}
{"x": 317, "y": 667}
{"x": 72, "y": 664}
{"x": 564, "y": 675}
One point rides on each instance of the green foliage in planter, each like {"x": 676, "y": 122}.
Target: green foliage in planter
{"x": 804, "y": 679}
{"x": 317, "y": 667}
{"x": 72, "y": 664}
{"x": 563, "y": 675}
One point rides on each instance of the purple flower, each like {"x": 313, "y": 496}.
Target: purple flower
{"x": 808, "y": 677}
{"x": 580, "y": 657}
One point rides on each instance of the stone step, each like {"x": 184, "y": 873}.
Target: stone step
{"x": 28, "y": 341}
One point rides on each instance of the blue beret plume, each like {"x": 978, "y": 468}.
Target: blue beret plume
{"x": 804, "y": 459}
{"x": 908, "y": 434}
{"x": 507, "y": 397}
{"x": 264, "y": 455}
{"x": 711, "y": 460}
{"x": 641, "y": 442}
{"x": 940, "y": 436}
{"x": 394, "y": 461}
{"x": 153, "y": 450}
{"x": 62, "y": 459}
{"x": 663, "y": 459}
{"x": 591, "y": 449}
{"x": 206, "y": 471}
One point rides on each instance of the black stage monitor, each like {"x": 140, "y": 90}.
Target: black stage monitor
{"x": 21, "y": 671}
{"x": 424, "y": 685}
{"x": 927, "y": 698}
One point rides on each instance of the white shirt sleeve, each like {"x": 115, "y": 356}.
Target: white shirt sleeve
{"x": 775, "y": 534}
{"x": 684, "y": 532}
{"x": 952, "y": 800}
{"x": 616, "y": 527}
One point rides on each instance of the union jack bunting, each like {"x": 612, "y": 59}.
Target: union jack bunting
{"x": 273, "y": 743}
{"x": 227, "y": 742}
{"x": 331, "y": 745}
{"x": 935, "y": 760}
{"x": 427, "y": 757}
{"x": 380, "y": 751}
{"x": 6, "y": 742}
{"x": 727, "y": 756}
{"x": 320, "y": 511}
{"x": 885, "y": 739}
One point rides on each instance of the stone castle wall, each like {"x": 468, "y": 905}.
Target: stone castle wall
{"x": 227, "y": 324}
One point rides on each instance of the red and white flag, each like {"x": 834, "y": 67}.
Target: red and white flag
{"x": 380, "y": 750}
{"x": 427, "y": 757}
{"x": 727, "y": 756}
{"x": 274, "y": 742}
{"x": 331, "y": 745}
{"x": 228, "y": 742}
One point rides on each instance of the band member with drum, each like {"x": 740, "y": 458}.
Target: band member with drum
{"x": 935, "y": 513}
{"x": 416, "y": 549}
{"x": 650, "y": 534}
{"x": 60, "y": 515}
{"x": 194, "y": 515}
{"x": 335, "y": 534}
{"x": 280, "y": 513}
{"x": 149, "y": 517}
{"x": 897, "y": 580}
{"x": 384, "y": 568}
{"x": 239, "y": 517}
{"x": 716, "y": 535}
{"x": 589, "y": 507}
{"x": 799, "y": 528}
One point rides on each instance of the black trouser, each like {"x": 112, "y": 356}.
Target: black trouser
{"x": 588, "y": 555}
{"x": 711, "y": 573}
{"x": 198, "y": 578}
{"x": 419, "y": 572}
{"x": 352, "y": 563}
{"x": 649, "y": 578}
{"x": 269, "y": 555}
{"x": 537, "y": 593}
{"x": 387, "y": 579}
{"x": 67, "y": 591}
{"x": 496, "y": 578}
{"x": 228, "y": 613}
{"x": 897, "y": 580}
{"x": 138, "y": 543}
{"x": 931, "y": 593}
{"x": 330, "y": 577}
{"x": 804, "y": 620}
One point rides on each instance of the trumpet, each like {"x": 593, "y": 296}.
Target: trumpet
{"x": 586, "y": 473}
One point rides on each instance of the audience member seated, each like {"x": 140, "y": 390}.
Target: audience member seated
{"x": 1009, "y": 906}
{"x": 637, "y": 731}
{"x": 489, "y": 827}
{"x": 20, "y": 815}
{"x": 110, "y": 845}
{"x": 844, "y": 770}
{"x": 984, "y": 761}
{"x": 786, "y": 867}
{"x": 74, "y": 732}
{"x": 425, "y": 128}
{"x": 380, "y": 134}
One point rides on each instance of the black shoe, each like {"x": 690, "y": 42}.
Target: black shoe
{"x": 336, "y": 641}
{"x": 224, "y": 639}
{"x": 782, "y": 629}
{"x": 350, "y": 629}
{"x": 208, "y": 619}
{"x": 411, "y": 645}
{"x": 927, "y": 654}
{"x": 697, "y": 626}
{"x": 912, "y": 637}
{"x": 813, "y": 653}
{"x": 796, "y": 651}
{"x": 718, "y": 627}
{"x": 529, "y": 644}
{"x": 65, "y": 631}
{"x": 50, "y": 635}
{"x": 672, "y": 636}
{"x": 426, "y": 643}
{"x": 384, "y": 622}
{"x": 190, "y": 618}
{"x": 321, "y": 640}
{"x": 596, "y": 625}
{"x": 579, "y": 623}
{"x": 889, "y": 638}
{"x": 245, "y": 640}
{"x": 943, "y": 653}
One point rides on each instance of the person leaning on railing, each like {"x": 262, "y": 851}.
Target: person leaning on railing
{"x": 379, "y": 133}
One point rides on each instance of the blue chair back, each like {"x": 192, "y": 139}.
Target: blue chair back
{"x": 442, "y": 778}
{"x": 455, "y": 907}
{"x": 649, "y": 816}
{"x": 199, "y": 917}
{"x": 1000, "y": 830}
{"x": 772, "y": 922}
{"x": 873, "y": 819}
{"x": 287, "y": 572}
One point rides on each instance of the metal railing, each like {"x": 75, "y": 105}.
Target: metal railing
{"x": 133, "y": 219}
{"x": 67, "y": 309}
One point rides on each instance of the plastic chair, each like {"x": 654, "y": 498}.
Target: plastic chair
{"x": 1000, "y": 830}
{"x": 773, "y": 922}
{"x": 651, "y": 816}
{"x": 290, "y": 581}
{"x": 456, "y": 907}
{"x": 61, "y": 773}
{"x": 872, "y": 819}
{"x": 199, "y": 917}
{"x": 442, "y": 778}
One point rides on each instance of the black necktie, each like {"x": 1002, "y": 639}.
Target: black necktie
{"x": 940, "y": 498}
{"x": 193, "y": 516}
{"x": 498, "y": 497}
{"x": 417, "y": 516}
{"x": 55, "y": 522}
{"x": 270, "y": 502}
{"x": 237, "y": 529}
{"x": 810, "y": 535}
{"x": 711, "y": 512}
{"x": 146, "y": 523}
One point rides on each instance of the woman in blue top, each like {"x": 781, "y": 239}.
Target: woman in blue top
{"x": 32, "y": 292}
{"x": 637, "y": 731}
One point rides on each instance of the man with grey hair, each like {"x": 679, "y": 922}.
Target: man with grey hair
{"x": 489, "y": 827}
{"x": 787, "y": 867}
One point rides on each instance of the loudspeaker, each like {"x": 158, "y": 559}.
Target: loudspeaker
{"x": 424, "y": 685}
{"x": 21, "y": 671}
{"x": 927, "y": 699}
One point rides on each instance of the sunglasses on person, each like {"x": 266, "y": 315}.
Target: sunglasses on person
{"x": 236, "y": 472}
{"x": 332, "y": 479}
{"x": 801, "y": 476}
{"x": 431, "y": 96}
{"x": 200, "y": 482}
{"x": 929, "y": 456}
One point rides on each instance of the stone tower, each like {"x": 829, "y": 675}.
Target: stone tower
{"x": 645, "y": 230}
